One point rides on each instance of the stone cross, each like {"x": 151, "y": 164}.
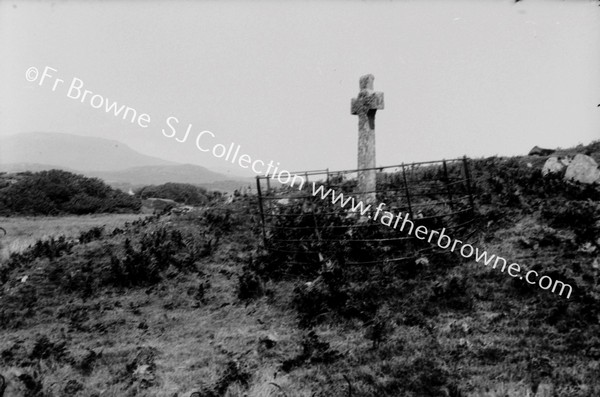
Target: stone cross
{"x": 365, "y": 106}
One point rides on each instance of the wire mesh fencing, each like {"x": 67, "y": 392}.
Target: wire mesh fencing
{"x": 301, "y": 227}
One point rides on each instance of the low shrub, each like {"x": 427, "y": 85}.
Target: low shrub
{"x": 250, "y": 285}
{"x": 180, "y": 192}
{"x": 580, "y": 216}
{"x": 94, "y": 233}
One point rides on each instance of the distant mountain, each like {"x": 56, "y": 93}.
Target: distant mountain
{"x": 114, "y": 162}
{"x": 33, "y": 167}
{"x": 157, "y": 174}
{"x": 74, "y": 152}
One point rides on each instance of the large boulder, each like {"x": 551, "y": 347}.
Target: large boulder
{"x": 553, "y": 166}
{"x": 583, "y": 169}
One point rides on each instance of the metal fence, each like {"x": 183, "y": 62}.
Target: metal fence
{"x": 305, "y": 228}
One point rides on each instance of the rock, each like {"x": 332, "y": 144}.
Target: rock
{"x": 11, "y": 385}
{"x": 268, "y": 341}
{"x": 552, "y": 166}
{"x": 545, "y": 389}
{"x": 142, "y": 370}
{"x": 159, "y": 203}
{"x": 538, "y": 151}
{"x": 587, "y": 248}
{"x": 182, "y": 209}
{"x": 422, "y": 261}
{"x": 583, "y": 169}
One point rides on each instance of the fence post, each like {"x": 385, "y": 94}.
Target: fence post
{"x": 406, "y": 190}
{"x": 468, "y": 180}
{"x": 262, "y": 213}
{"x": 270, "y": 205}
{"x": 447, "y": 182}
{"x": 312, "y": 209}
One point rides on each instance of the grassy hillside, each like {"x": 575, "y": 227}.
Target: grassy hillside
{"x": 174, "y": 304}
{"x": 21, "y": 232}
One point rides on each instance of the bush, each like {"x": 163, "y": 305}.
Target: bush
{"x": 57, "y": 192}
{"x": 158, "y": 250}
{"x": 424, "y": 375}
{"x": 180, "y": 192}
{"x": 250, "y": 285}
{"x": 313, "y": 351}
{"x": 580, "y": 216}
{"x": 454, "y": 292}
{"x": 94, "y": 233}
{"x": 44, "y": 349}
{"x": 50, "y": 249}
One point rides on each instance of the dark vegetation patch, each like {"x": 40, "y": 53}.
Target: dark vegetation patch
{"x": 180, "y": 192}
{"x": 57, "y": 192}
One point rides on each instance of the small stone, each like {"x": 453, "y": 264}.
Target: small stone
{"x": 422, "y": 261}
{"x": 142, "y": 370}
{"x": 268, "y": 341}
{"x": 587, "y": 248}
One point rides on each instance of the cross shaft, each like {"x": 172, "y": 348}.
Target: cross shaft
{"x": 365, "y": 105}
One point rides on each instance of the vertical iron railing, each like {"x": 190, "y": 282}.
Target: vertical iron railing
{"x": 406, "y": 191}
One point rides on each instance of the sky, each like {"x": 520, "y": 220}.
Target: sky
{"x": 475, "y": 78}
